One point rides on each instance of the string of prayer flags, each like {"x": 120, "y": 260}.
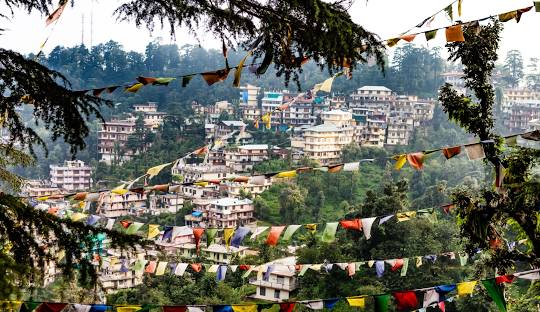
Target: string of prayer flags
{"x": 273, "y": 235}
{"x": 55, "y": 15}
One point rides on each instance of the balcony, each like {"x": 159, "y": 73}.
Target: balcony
{"x": 274, "y": 285}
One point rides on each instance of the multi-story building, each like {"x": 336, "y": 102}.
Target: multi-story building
{"x": 221, "y": 254}
{"x": 39, "y": 188}
{"x": 519, "y": 107}
{"x": 455, "y": 79}
{"x": 72, "y": 176}
{"x": 112, "y": 279}
{"x": 270, "y": 102}
{"x": 249, "y": 103}
{"x": 221, "y": 107}
{"x": 230, "y": 212}
{"x": 243, "y": 158}
{"x": 278, "y": 285}
{"x": 115, "y": 205}
{"x": 165, "y": 203}
{"x": 203, "y": 171}
{"x": 399, "y": 129}
{"x": 235, "y": 189}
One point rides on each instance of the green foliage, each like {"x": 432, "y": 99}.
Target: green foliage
{"x": 513, "y": 68}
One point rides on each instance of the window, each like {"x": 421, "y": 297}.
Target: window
{"x": 262, "y": 291}
{"x": 276, "y": 294}
{"x": 280, "y": 279}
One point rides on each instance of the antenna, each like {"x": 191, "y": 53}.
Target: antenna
{"x": 82, "y": 29}
{"x": 92, "y": 25}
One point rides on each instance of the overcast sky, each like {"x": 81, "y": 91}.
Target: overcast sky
{"x": 387, "y": 18}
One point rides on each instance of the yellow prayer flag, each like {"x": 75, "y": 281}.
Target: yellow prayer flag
{"x": 10, "y": 306}
{"x": 326, "y": 86}
{"x": 227, "y": 235}
{"x": 459, "y": 3}
{"x": 153, "y": 230}
{"x": 466, "y": 288}
{"x": 201, "y": 183}
{"x": 134, "y": 88}
{"x": 162, "y": 265}
{"x": 357, "y": 301}
{"x": 119, "y": 191}
{"x": 267, "y": 119}
{"x": 154, "y": 171}
{"x": 245, "y": 308}
{"x": 312, "y": 228}
{"x": 400, "y": 161}
{"x": 392, "y": 42}
{"x": 418, "y": 261}
{"x": 505, "y": 17}
{"x": 78, "y": 216}
{"x": 286, "y": 174}
{"x": 43, "y": 198}
{"x": 405, "y": 216}
{"x": 239, "y": 68}
{"x": 213, "y": 268}
{"x": 370, "y": 263}
{"x": 128, "y": 308}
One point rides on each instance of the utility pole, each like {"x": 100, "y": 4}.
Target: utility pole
{"x": 82, "y": 29}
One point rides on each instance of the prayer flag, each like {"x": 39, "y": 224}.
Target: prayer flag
{"x": 405, "y": 300}
{"x": 351, "y": 269}
{"x": 450, "y": 152}
{"x": 197, "y": 267}
{"x": 197, "y": 234}
{"x": 163, "y": 81}
{"x": 405, "y": 267}
{"x": 449, "y": 11}
{"x": 408, "y": 38}
{"x": 258, "y": 231}
{"x": 56, "y": 14}
{"x": 167, "y": 233}
{"x": 215, "y": 76}
{"x": 151, "y": 267}
{"x": 134, "y": 227}
{"x": 454, "y": 34}
{"x": 405, "y": 216}
{"x": 186, "y": 80}
{"x": 239, "y": 235}
{"x": 162, "y": 265}
{"x": 80, "y": 196}
{"x": 379, "y": 268}
{"x": 134, "y": 88}
{"x": 286, "y": 174}
{"x": 78, "y": 216}
{"x": 505, "y": 17}
{"x": 416, "y": 160}
{"x": 194, "y": 309}
{"x": 466, "y": 288}
{"x": 119, "y": 191}
{"x": 330, "y": 303}
{"x": 358, "y": 301}
{"x": 125, "y": 223}
{"x": 291, "y": 229}
{"x": 353, "y": 166}
{"x": 384, "y": 219}
{"x": 335, "y": 168}
{"x": 51, "y": 307}
{"x": 146, "y": 80}
{"x": 227, "y": 235}
{"x": 329, "y": 234}
{"x": 459, "y": 3}
{"x": 273, "y": 235}
{"x": 221, "y": 272}
{"x": 397, "y": 265}
{"x": 174, "y": 308}
{"x": 400, "y": 161}
{"x": 431, "y": 296}
{"x": 314, "y": 305}
{"x": 238, "y": 71}
{"x": 78, "y": 308}
{"x": 128, "y": 308}
{"x": 153, "y": 230}
{"x": 418, "y": 261}
{"x": 286, "y": 307}
{"x": 93, "y": 219}
{"x": 326, "y": 86}
{"x": 312, "y": 228}
{"x": 154, "y": 171}
{"x": 366, "y": 226}
{"x": 354, "y": 225}
{"x": 505, "y": 279}
{"x": 381, "y": 302}
{"x": 392, "y": 42}
{"x": 537, "y": 6}
{"x": 222, "y": 308}
{"x": 180, "y": 269}
{"x": 245, "y": 308}
{"x": 161, "y": 188}
{"x": 430, "y": 34}
{"x": 475, "y": 151}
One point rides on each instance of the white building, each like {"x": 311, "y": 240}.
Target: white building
{"x": 203, "y": 171}
{"x": 244, "y": 157}
{"x": 249, "y": 102}
{"x": 230, "y": 212}
{"x": 278, "y": 285}
{"x": 222, "y": 255}
{"x": 116, "y": 205}
{"x": 72, "y": 176}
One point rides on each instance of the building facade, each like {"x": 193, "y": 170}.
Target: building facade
{"x": 72, "y": 175}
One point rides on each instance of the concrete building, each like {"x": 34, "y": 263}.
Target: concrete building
{"x": 519, "y": 107}
{"x": 165, "y": 203}
{"x": 270, "y": 102}
{"x": 112, "y": 280}
{"x": 249, "y": 103}
{"x": 39, "y": 188}
{"x": 279, "y": 284}
{"x": 220, "y": 107}
{"x": 243, "y": 158}
{"x": 203, "y": 171}
{"x": 220, "y": 254}
{"x": 230, "y": 212}
{"x": 399, "y": 129}
{"x": 112, "y": 138}
{"x": 235, "y": 189}
{"x": 115, "y": 205}
{"x": 455, "y": 79}
{"x": 72, "y": 175}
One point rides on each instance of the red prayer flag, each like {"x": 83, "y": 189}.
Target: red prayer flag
{"x": 273, "y": 235}
{"x": 335, "y": 168}
{"x": 351, "y": 224}
{"x": 454, "y": 34}
{"x": 51, "y": 307}
{"x": 151, "y": 267}
{"x": 146, "y": 80}
{"x": 97, "y": 92}
{"x": 416, "y": 160}
{"x": 197, "y": 233}
{"x": 450, "y": 152}
{"x": 397, "y": 265}
{"x": 174, "y": 308}
{"x": 405, "y": 300}
{"x": 446, "y": 208}
{"x": 286, "y": 307}
{"x": 505, "y": 279}
{"x": 197, "y": 267}
{"x": 244, "y": 267}
{"x": 408, "y": 38}
{"x": 125, "y": 223}
{"x": 215, "y": 76}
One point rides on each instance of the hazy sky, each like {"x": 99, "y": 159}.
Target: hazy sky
{"x": 387, "y": 18}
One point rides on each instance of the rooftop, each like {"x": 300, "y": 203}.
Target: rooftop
{"x": 223, "y": 249}
{"x": 234, "y": 123}
{"x": 325, "y": 128}
{"x": 229, "y": 201}
{"x": 374, "y": 88}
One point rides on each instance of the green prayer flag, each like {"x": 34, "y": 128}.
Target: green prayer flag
{"x": 463, "y": 259}
{"x": 496, "y": 293}
{"x": 29, "y": 306}
{"x": 210, "y": 236}
{"x": 381, "y": 302}
{"x": 134, "y": 227}
{"x": 405, "y": 266}
{"x": 537, "y": 6}
{"x": 163, "y": 81}
{"x": 450, "y": 12}
{"x": 139, "y": 265}
{"x": 247, "y": 273}
{"x": 264, "y": 306}
{"x": 304, "y": 269}
{"x": 431, "y": 34}
{"x": 291, "y": 229}
{"x": 329, "y": 234}
{"x": 186, "y": 80}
